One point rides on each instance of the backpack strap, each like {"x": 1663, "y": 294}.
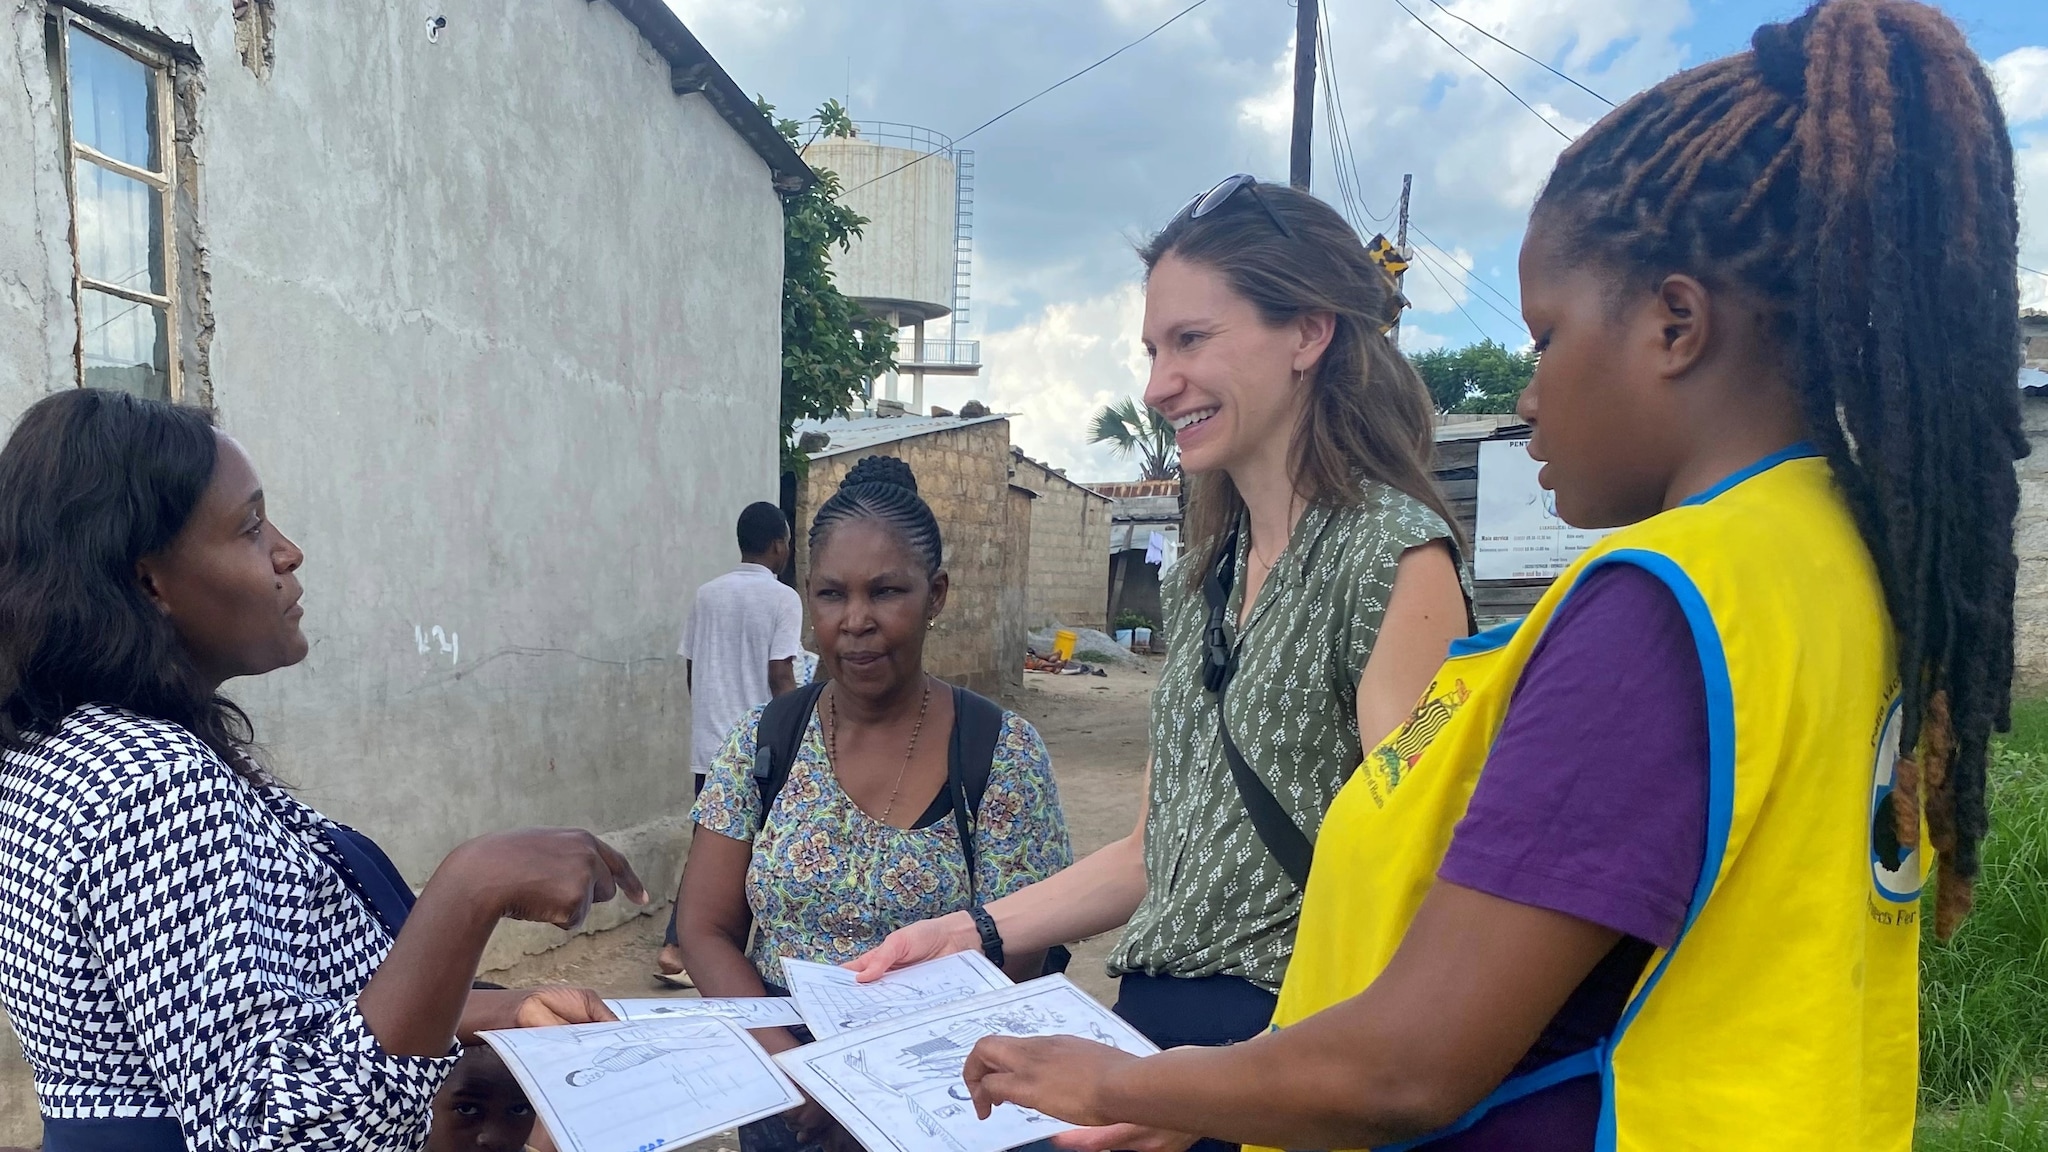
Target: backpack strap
{"x": 776, "y": 740}
{"x": 977, "y": 725}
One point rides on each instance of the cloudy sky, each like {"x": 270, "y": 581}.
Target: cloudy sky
{"x": 1067, "y": 185}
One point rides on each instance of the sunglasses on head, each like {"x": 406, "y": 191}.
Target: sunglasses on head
{"x": 1230, "y": 186}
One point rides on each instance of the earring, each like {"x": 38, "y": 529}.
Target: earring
{"x": 931, "y": 623}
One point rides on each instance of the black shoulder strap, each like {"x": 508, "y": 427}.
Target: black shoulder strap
{"x": 977, "y": 725}
{"x": 775, "y": 742}
{"x": 1277, "y": 830}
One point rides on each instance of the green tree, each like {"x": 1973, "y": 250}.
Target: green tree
{"x": 831, "y": 346}
{"x": 1482, "y": 377}
{"x": 1132, "y": 430}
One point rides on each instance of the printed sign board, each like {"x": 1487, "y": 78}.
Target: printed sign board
{"x": 1519, "y": 534}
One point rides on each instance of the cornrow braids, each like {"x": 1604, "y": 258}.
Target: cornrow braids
{"x": 1854, "y": 171}
{"x": 884, "y": 489}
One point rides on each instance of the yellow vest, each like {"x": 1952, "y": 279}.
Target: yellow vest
{"x": 1785, "y": 1016}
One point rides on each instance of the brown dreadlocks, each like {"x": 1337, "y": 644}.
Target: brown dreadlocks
{"x": 1854, "y": 170}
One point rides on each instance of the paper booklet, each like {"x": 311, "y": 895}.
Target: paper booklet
{"x": 745, "y": 1011}
{"x": 832, "y": 1001}
{"x": 896, "y": 1085}
{"x": 632, "y": 1086}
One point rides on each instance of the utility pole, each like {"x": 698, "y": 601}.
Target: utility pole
{"x": 1401, "y": 247}
{"x": 1304, "y": 91}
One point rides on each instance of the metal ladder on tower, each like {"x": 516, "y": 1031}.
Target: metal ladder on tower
{"x": 963, "y": 238}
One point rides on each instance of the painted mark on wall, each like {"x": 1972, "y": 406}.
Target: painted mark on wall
{"x": 427, "y": 640}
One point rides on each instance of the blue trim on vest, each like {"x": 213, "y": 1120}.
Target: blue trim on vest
{"x": 113, "y": 1134}
{"x": 1571, "y": 1067}
{"x": 1484, "y": 641}
{"x": 1799, "y": 451}
{"x": 1720, "y": 693}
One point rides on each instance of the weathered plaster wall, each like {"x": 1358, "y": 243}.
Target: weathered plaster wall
{"x": 1069, "y": 580}
{"x": 2030, "y": 541}
{"x": 963, "y": 474}
{"x": 497, "y": 318}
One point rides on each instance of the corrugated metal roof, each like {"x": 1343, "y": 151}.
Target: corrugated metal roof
{"x": 2034, "y": 382}
{"x": 853, "y": 433}
{"x": 1125, "y": 489}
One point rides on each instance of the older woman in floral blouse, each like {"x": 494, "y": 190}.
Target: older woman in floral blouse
{"x": 861, "y": 838}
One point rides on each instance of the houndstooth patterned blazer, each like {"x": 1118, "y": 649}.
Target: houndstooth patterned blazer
{"x": 176, "y": 941}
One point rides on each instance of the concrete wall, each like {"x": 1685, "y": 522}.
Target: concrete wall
{"x": 497, "y": 318}
{"x": 964, "y": 474}
{"x": 2030, "y": 541}
{"x": 1069, "y": 578}
{"x": 1021, "y": 515}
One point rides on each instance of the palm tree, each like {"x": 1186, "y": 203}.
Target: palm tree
{"x": 1131, "y": 430}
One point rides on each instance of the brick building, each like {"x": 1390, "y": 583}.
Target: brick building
{"x": 963, "y": 467}
{"x": 1067, "y": 581}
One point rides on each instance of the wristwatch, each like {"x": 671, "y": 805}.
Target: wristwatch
{"x": 991, "y": 940}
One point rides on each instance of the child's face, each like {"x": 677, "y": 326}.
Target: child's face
{"x": 1604, "y": 420}
{"x": 480, "y": 1107}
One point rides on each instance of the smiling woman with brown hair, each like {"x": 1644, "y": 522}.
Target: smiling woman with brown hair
{"x": 888, "y": 796}
{"x": 192, "y": 957}
{"x": 1320, "y": 590}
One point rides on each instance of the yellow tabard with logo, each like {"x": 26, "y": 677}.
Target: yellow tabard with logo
{"x": 1785, "y": 1016}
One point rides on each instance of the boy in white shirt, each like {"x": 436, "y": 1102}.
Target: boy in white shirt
{"x": 740, "y": 645}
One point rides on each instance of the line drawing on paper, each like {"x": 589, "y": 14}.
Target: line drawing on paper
{"x": 746, "y": 1011}
{"x": 897, "y": 1086}
{"x": 643, "y": 1085}
{"x": 832, "y": 1001}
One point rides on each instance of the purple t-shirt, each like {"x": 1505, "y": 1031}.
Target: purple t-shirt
{"x": 1593, "y": 803}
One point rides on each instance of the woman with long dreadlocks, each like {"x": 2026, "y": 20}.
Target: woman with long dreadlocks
{"x": 1654, "y": 883}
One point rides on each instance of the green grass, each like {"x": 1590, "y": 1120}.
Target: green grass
{"x": 1984, "y": 995}
{"x": 1996, "y": 1124}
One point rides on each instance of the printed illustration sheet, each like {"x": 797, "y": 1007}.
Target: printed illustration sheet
{"x": 745, "y": 1011}
{"x": 642, "y": 1085}
{"x": 833, "y": 1002}
{"x": 896, "y": 1086}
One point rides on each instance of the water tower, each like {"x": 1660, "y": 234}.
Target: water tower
{"x": 911, "y": 262}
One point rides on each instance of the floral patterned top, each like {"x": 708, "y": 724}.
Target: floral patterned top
{"x": 828, "y": 881}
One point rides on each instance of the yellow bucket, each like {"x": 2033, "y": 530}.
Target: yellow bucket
{"x": 1063, "y": 644}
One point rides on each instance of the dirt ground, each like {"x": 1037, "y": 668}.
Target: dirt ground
{"x": 1096, "y": 729}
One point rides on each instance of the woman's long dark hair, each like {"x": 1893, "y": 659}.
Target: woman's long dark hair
{"x": 90, "y": 483}
{"x": 1855, "y": 172}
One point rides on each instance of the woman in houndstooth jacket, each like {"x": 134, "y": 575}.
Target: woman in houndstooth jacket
{"x": 193, "y": 958}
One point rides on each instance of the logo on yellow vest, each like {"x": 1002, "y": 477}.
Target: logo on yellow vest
{"x": 1389, "y": 764}
{"x": 1894, "y": 865}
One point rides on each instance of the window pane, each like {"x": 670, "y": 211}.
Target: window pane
{"x": 120, "y": 229}
{"x": 113, "y": 102}
{"x": 127, "y": 345}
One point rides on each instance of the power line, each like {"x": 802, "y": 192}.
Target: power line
{"x": 1454, "y": 268}
{"x": 2035, "y": 271}
{"x": 1522, "y": 54}
{"x": 1472, "y": 275}
{"x": 1042, "y": 92}
{"x": 1341, "y": 150}
{"x": 1489, "y": 75}
{"x": 1483, "y": 333}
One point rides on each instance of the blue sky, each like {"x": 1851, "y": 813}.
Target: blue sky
{"x": 1066, "y": 186}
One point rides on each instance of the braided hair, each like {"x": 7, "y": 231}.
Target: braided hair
{"x": 883, "y": 489}
{"x": 1853, "y": 171}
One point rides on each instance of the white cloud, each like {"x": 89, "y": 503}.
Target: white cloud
{"x": 2022, "y": 77}
{"x": 721, "y": 22}
{"x": 1271, "y": 112}
{"x": 2030, "y": 165}
{"x": 1054, "y": 370}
